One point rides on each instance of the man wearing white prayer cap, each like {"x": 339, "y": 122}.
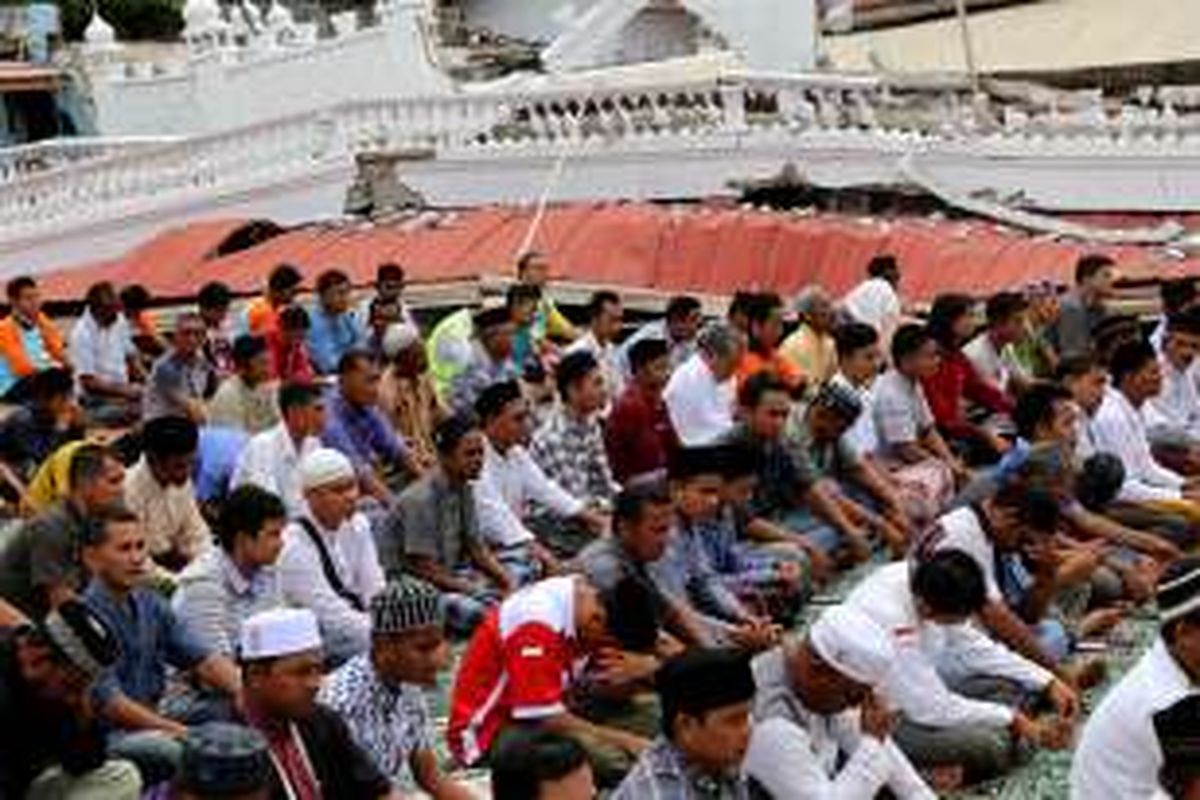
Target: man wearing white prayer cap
{"x": 407, "y": 395}
{"x": 313, "y": 756}
{"x": 329, "y": 563}
{"x": 819, "y": 731}
{"x": 1120, "y": 753}
{"x": 399, "y": 337}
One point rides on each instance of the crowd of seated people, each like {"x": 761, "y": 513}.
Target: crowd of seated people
{"x": 244, "y": 546}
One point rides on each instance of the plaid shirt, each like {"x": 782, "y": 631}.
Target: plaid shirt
{"x": 389, "y": 723}
{"x": 662, "y": 774}
{"x": 571, "y": 452}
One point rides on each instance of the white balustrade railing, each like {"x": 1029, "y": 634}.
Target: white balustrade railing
{"x": 50, "y": 184}
{"x": 19, "y": 161}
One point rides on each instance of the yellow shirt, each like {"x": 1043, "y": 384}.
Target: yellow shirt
{"x": 549, "y": 322}
{"x": 52, "y": 481}
{"x": 815, "y": 354}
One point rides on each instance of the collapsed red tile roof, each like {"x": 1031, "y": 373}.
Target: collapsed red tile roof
{"x": 167, "y": 264}
{"x": 662, "y": 247}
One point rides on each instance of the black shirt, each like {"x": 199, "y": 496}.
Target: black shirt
{"x": 342, "y": 769}
{"x": 36, "y": 734}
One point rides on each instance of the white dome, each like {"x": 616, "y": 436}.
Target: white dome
{"x": 99, "y": 32}
{"x": 201, "y": 16}
{"x": 239, "y": 24}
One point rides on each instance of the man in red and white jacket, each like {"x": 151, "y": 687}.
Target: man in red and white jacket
{"x": 521, "y": 664}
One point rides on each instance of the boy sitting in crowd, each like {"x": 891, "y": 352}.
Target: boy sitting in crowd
{"x": 433, "y": 531}
{"x": 684, "y": 572}
{"x": 706, "y": 697}
{"x": 569, "y": 447}
{"x": 771, "y": 578}
{"x": 227, "y": 584}
{"x": 151, "y": 637}
{"x": 381, "y": 694}
{"x": 908, "y": 433}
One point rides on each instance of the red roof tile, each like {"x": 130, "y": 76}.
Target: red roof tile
{"x": 167, "y": 264}
{"x": 666, "y": 247}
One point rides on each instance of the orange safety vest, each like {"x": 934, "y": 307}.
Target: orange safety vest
{"x": 12, "y": 344}
{"x": 262, "y": 318}
{"x": 753, "y": 363}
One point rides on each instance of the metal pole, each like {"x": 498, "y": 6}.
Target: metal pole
{"x": 968, "y": 49}
{"x": 540, "y": 210}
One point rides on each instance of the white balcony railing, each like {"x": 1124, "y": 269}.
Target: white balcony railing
{"x": 46, "y": 186}
{"x": 19, "y": 161}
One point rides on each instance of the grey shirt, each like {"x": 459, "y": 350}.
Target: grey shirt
{"x": 43, "y": 552}
{"x": 432, "y": 519}
{"x": 1072, "y": 333}
{"x": 606, "y": 563}
{"x": 214, "y": 598}
{"x": 902, "y": 414}
{"x": 172, "y": 377}
{"x": 815, "y": 460}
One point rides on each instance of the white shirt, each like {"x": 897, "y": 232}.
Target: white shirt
{"x": 1085, "y": 436}
{"x": 874, "y": 302}
{"x": 1159, "y": 336}
{"x": 701, "y": 409}
{"x": 270, "y": 461}
{"x": 1118, "y": 755}
{"x": 928, "y": 654}
{"x": 796, "y": 752}
{"x": 1176, "y": 410}
{"x": 961, "y": 530}
{"x": 101, "y": 352}
{"x": 606, "y": 355}
{"x": 345, "y": 630}
{"x": 507, "y": 485}
{"x": 678, "y": 351}
{"x": 1119, "y": 429}
{"x": 363, "y": 312}
{"x": 995, "y": 366}
{"x": 861, "y": 437}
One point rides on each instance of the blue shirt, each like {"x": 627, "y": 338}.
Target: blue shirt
{"x": 330, "y": 336}
{"x": 35, "y": 351}
{"x": 685, "y": 573}
{"x": 150, "y": 637}
{"x": 217, "y": 456}
{"x": 480, "y": 372}
{"x": 361, "y": 433}
{"x": 718, "y": 539}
